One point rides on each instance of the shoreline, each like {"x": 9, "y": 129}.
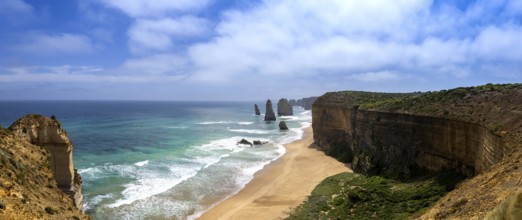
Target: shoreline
{"x": 280, "y": 185}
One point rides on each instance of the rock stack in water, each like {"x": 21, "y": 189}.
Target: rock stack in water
{"x": 284, "y": 108}
{"x": 48, "y": 134}
{"x": 256, "y": 109}
{"x": 282, "y": 125}
{"x": 269, "y": 115}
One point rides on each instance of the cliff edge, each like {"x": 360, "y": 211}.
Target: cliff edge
{"x": 476, "y": 131}
{"x": 38, "y": 180}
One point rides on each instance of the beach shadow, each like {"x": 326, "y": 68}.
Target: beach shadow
{"x": 316, "y": 147}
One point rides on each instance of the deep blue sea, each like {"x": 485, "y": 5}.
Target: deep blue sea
{"x": 162, "y": 160}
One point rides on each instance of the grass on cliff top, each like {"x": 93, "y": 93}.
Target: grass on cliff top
{"x": 355, "y": 196}
{"x": 420, "y": 101}
{"x": 417, "y": 100}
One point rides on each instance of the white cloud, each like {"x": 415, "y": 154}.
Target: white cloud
{"x": 42, "y": 44}
{"x": 79, "y": 74}
{"x": 15, "y": 7}
{"x": 154, "y": 8}
{"x": 158, "y": 34}
{"x": 156, "y": 65}
{"x": 383, "y": 76}
{"x": 339, "y": 36}
{"x": 499, "y": 43}
{"x": 16, "y": 12}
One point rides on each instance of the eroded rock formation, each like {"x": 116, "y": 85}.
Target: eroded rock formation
{"x": 48, "y": 134}
{"x": 256, "y": 110}
{"x": 284, "y": 108}
{"x": 269, "y": 114}
{"x": 282, "y": 126}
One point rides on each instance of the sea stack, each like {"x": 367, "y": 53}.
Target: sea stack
{"x": 269, "y": 114}
{"x": 284, "y": 108}
{"x": 48, "y": 134}
{"x": 256, "y": 109}
{"x": 282, "y": 126}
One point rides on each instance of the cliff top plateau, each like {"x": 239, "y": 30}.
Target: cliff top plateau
{"x": 28, "y": 189}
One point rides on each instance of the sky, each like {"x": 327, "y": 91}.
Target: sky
{"x": 238, "y": 50}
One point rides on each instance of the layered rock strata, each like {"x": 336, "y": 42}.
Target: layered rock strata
{"x": 401, "y": 144}
{"x": 48, "y": 134}
{"x": 269, "y": 114}
{"x": 284, "y": 108}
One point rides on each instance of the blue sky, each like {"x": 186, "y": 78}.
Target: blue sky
{"x": 252, "y": 50}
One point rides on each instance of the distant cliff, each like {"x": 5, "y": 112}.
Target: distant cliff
{"x": 474, "y": 130}
{"x": 306, "y": 103}
{"x": 38, "y": 180}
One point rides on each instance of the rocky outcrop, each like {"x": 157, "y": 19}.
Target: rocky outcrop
{"x": 400, "y": 144}
{"x": 258, "y": 142}
{"x": 284, "y": 108}
{"x": 28, "y": 189}
{"x": 269, "y": 114}
{"x": 256, "y": 110}
{"x": 245, "y": 142}
{"x": 282, "y": 126}
{"x": 48, "y": 134}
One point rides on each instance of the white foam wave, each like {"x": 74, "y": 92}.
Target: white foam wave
{"x": 97, "y": 199}
{"x": 290, "y": 118}
{"x": 250, "y": 131}
{"x": 225, "y": 122}
{"x": 307, "y": 112}
{"x": 229, "y": 144}
{"x": 142, "y": 163}
{"x": 177, "y": 127}
{"x": 153, "y": 183}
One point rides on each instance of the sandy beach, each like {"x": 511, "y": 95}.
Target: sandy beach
{"x": 283, "y": 184}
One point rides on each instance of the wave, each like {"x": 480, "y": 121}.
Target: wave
{"x": 225, "y": 122}
{"x": 142, "y": 163}
{"x": 177, "y": 127}
{"x": 250, "y": 131}
{"x": 290, "y": 117}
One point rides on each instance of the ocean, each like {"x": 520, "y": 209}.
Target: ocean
{"x": 163, "y": 160}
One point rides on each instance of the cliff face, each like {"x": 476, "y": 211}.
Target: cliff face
{"x": 48, "y": 134}
{"x": 398, "y": 144}
{"x": 28, "y": 189}
{"x": 476, "y": 131}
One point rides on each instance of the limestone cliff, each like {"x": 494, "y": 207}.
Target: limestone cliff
{"x": 269, "y": 111}
{"x": 48, "y": 134}
{"x": 475, "y": 130}
{"x": 28, "y": 189}
{"x": 306, "y": 103}
{"x": 284, "y": 108}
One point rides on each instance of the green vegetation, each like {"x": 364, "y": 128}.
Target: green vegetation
{"x": 354, "y": 196}
{"x": 36, "y": 116}
{"x": 419, "y": 101}
{"x": 50, "y": 210}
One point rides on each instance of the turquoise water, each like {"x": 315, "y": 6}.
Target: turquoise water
{"x": 163, "y": 160}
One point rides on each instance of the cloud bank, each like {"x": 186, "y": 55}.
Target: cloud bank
{"x": 401, "y": 45}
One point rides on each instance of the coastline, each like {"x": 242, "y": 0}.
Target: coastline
{"x": 281, "y": 185}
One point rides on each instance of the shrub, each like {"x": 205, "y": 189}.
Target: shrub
{"x": 50, "y": 210}
{"x": 2, "y": 204}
